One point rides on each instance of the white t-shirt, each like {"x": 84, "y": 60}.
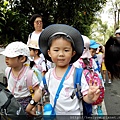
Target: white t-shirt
{"x": 18, "y": 86}
{"x": 33, "y": 36}
{"x": 65, "y": 105}
{"x": 100, "y": 58}
{"x": 40, "y": 63}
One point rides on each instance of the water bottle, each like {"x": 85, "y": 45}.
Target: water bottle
{"x": 48, "y": 112}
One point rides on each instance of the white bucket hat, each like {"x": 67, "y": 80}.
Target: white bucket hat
{"x": 86, "y": 52}
{"x": 33, "y": 44}
{"x": 15, "y": 49}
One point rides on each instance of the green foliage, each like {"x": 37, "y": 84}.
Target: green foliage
{"x": 16, "y": 14}
{"x": 100, "y": 31}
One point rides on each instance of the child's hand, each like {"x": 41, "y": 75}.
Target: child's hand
{"x": 94, "y": 91}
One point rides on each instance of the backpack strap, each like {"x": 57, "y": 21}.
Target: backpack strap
{"x": 96, "y": 60}
{"x": 29, "y": 81}
{"x": 38, "y": 73}
{"x": 45, "y": 84}
{"x": 8, "y": 72}
{"x": 77, "y": 83}
{"x": 30, "y": 35}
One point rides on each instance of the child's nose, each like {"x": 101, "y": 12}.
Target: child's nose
{"x": 61, "y": 53}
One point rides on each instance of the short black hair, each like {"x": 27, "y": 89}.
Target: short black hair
{"x": 32, "y": 19}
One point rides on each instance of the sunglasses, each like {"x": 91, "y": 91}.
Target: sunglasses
{"x": 38, "y": 22}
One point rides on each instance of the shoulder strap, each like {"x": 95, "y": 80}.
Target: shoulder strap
{"x": 77, "y": 83}
{"x": 38, "y": 73}
{"x": 45, "y": 84}
{"x": 8, "y": 72}
{"x": 60, "y": 87}
{"x": 30, "y": 35}
{"x": 91, "y": 62}
{"x": 29, "y": 80}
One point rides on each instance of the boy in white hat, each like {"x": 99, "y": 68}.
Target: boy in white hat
{"x": 16, "y": 55}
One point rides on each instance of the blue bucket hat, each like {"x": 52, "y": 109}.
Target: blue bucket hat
{"x": 93, "y": 44}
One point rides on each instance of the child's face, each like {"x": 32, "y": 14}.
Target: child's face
{"x": 33, "y": 53}
{"x": 61, "y": 52}
{"x": 92, "y": 51}
{"x": 13, "y": 62}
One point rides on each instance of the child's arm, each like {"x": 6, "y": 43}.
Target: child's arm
{"x": 36, "y": 87}
{"x": 93, "y": 93}
{"x": 36, "y": 98}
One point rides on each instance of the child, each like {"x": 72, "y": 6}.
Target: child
{"x": 16, "y": 55}
{"x": 93, "y": 48}
{"x": 103, "y": 67}
{"x": 63, "y": 45}
{"x": 86, "y": 55}
{"x": 37, "y": 56}
{"x": 37, "y": 23}
{"x": 87, "y": 59}
{"x": 112, "y": 56}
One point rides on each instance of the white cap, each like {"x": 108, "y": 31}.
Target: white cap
{"x": 86, "y": 52}
{"x": 117, "y": 31}
{"x": 15, "y": 49}
{"x": 33, "y": 44}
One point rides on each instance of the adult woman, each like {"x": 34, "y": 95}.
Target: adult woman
{"x": 37, "y": 24}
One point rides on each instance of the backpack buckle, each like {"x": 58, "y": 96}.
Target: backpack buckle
{"x": 73, "y": 94}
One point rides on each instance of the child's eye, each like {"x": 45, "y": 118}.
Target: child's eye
{"x": 66, "y": 50}
{"x": 56, "y": 50}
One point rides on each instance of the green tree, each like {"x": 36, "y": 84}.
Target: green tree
{"x": 100, "y": 31}
{"x": 12, "y": 25}
{"x": 79, "y": 14}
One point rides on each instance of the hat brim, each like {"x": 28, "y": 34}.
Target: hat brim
{"x": 69, "y": 30}
{"x": 8, "y": 55}
{"x": 34, "y": 47}
{"x": 94, "y": 46}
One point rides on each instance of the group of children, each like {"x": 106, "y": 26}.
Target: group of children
{"x": 64, "y": 46}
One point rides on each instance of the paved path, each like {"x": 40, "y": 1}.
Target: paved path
{"x": 112, "y": 98}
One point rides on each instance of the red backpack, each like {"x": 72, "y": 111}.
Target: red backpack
{"x": 91, "y": 74}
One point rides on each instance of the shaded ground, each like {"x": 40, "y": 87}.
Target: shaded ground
{"x": 112, "y": 98}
